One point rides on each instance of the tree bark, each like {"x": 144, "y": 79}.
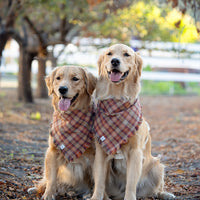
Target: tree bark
{"x": 41, "y": 85}
{"x": 24, "y": 76}
{"x": 3, "y": 40}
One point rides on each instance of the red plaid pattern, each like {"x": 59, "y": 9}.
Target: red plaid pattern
{"x": 115, "y": 122}
{"x": 72, "y": 132}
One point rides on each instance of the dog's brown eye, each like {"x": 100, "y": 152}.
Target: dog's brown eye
{"x": 58, "y": 78}
{"x": 126, "y": 54}
{"x": 109, "y": 54}
{"x": 75, "y": 79}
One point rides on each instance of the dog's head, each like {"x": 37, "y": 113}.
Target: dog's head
{"x": 69, "y": 85}
{"x": 119, "y": 63}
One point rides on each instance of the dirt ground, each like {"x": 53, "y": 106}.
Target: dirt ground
{"x": 175, "y": 130}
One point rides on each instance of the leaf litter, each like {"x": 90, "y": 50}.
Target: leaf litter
{"x": 175, "y": 128}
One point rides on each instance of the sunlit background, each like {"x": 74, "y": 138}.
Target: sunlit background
{"x": 165, "y": 34}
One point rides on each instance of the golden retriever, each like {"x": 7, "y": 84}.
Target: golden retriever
{"x": 131, "y": 171}
{"x": 71, "y": 88}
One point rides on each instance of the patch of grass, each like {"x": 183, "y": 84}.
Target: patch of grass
{"x": 11, "y": 155}
{"x": 10, "y": 73}
{"x": 24, "y": 150}
{"x": 169, "y": 88}
{"x": 2, "y": 94}
{"x": 194, "y": 87}
{"x": 147, "y": 68}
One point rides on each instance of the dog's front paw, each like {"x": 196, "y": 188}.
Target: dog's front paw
{"x": 130, "y": 196}
{"x": 96, "y": 198}
{"x": 166, "y": 196}
{"x": 49, "y": 196}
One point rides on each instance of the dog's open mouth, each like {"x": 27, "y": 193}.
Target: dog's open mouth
{"x": 64, "y": 102}
{"x": 117, "y": 76}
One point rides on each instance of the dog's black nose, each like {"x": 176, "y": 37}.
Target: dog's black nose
{"x": 115, "y": 62}
{"x": 63, "y": 90}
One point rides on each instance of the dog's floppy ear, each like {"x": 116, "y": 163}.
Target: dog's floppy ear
{"x": 90, "y": 81}
{"x": 100, "y": 60}
{"x": 49, "y": 81}
{"x": 138, "y": 63}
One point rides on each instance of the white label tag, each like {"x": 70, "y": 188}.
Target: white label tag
{"x": 102, "y": 138}
{"x": 62, "y": 146}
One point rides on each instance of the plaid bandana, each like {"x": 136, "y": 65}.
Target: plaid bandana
{"x": 72, "y": 132}
{"x": 115, "y": 122}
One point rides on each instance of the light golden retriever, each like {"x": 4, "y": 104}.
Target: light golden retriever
{"x": 131, "y": 172}
{"x": 71, "y": 88}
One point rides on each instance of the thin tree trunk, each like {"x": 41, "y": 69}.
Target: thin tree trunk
{"x": 24, "y": 76}
{"x": 3, "y": 40}
{"x": 41, "y": 86}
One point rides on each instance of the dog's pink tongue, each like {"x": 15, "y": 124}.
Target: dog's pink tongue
{"x": 64, "y": 104}
{"x": 115, "y": 76}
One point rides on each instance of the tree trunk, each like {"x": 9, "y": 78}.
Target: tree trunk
{"x": 41, "y": 86}
{"x": 3, "y": 40}
{"x": 24, "y": 76}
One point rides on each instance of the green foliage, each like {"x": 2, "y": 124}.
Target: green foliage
{"x": 194, "y": 87}
{"x": 146, "y": 21}
{"x": 184, "y": 28}
{"x": 147, "y": 68}
{"x": 169, "y": 88}
{"x": 54, "y": 18}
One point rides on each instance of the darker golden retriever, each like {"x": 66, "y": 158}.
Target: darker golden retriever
{"x": 70, "y": 155}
